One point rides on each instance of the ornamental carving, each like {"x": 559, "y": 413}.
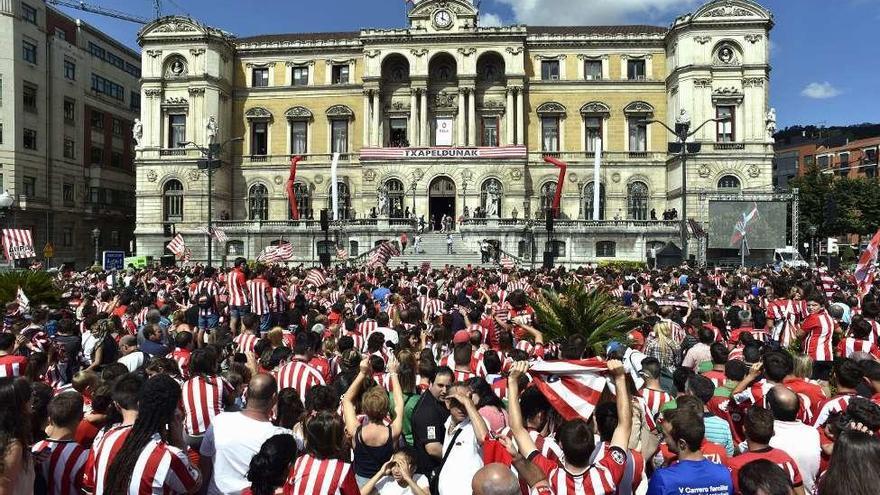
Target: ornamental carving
{"x": 753, "y": 38}
{"x": 151, "y": 175}
{"x": 196, "y": 91}
{"x": 514, "y": 50}
{"x": 154, "y": 53}
{"x": 298, "y": 112}
{"x": 195, "y": 52}
{"x": 278, "y": 180}
{"x": 258, "y": 113}
{"x": 369, "y": 175}
{"x": 639, "y": 107}
{"x": 176, "y": 67}
{"x": 259, "y": 65}
{"x": 176, "y": 101}
{"x": 573, "y": 177}
{"x": 550, "y": 57}
{"x": 467, "y": 52}
{"x": 419, "y": 52}
{"x": 704, "y": 171}
{"x": 153, "y": 93}
{"x": 726, "y": 55}
{"x": 444, "y": 99}
{"x": 340, "y": 111}
{"x": 754, "y": 171}
{"x": 372, "y": 53}
{"x": 702, "y": 83}
{"x": 515, "y": 174}
{"x": 398, "y": 106}
{"x": 615, "y": 177}
{"x": 193, "y": 175}
{"x": 728, "y": 91}
{"x": 310, "y": 63}
{"x": 551, "y": 107}
{"x": 496, "y": 104}
{"x": 418, "y": 174}
{"x": 702, "y": 39}
{"x": 753, "y": 82}
{"x": 319, "y": 179}
{"x": 176, "y": 26}
{"x": 595, "y": 107}
{"x": 728, "y": 10}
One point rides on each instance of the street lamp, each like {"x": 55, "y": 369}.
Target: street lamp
{"x": 6, "y": 201}
{"x": 96, "y": 236}
{"x": 812, "y": 230}
{"x": 209, "y": 165}
{"x": 682, "y": 132}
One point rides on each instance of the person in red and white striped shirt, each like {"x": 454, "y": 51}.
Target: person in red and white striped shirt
{"x": 297, "y": 373}
{"x": 63, "y": 459}
{"x": 847, "y": 376}
{"x": 152, "y": 458}
{"x": 247, "y": 339}
{"x": 858, "y": 339}
{"x": 259, "y": 293}
{"x": 183, "y": 343}
{"x": 205, "y": 394}
{"x": 818, "y": 329}
{"x": 236, "y": 291}
{"x": 324, "y": 469}
{"x": 11, "y": 365}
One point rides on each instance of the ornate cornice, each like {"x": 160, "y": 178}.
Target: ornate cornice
{"x": 195, "y": 52}
{"x": 196, "y": 91}
{"x": 257, "y": 113}
{"x": 298, "y": 113}
{"x": 154, "y": 53}
{"x": 753, "y": 38}
{"x": 595, "y": 107}
{"x": 153, "y": 93}
{"x": 702, "y": 39}
{"x": 467, "y": 52}
{"x": 419, "y": 52}
{"x": 295, "y": 63}
{"x": 514, "y": 50}
{"x": 638, "y": 107}
{"x": 372, "y": 53}
{"x": 259, "y": 65}
{"x": 753, "y": 82}
{"x": 550, "y": 108}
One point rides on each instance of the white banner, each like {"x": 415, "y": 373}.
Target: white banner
{"x": 443, "y": 134}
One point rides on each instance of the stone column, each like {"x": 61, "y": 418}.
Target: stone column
{"x": 366, "y": 119}
{"x": 413, "y": 126}
{"x": 472, "y": 117}
{"x": 509, "y": 112}
{"x": 424, "y": 139}
{"x": 377, "y": 120}
{"x": 460, "y": 118}
{"x": 520, "y": 115}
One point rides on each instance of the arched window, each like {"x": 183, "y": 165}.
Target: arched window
{"x": 588, "y": 201}
{"x": 729, "y": 182}
{"x": 172, "y": 198}
{"x": 605, "y": 249}
{"x": 396, "y": 194}
{"x": 637, "y": 201}
{"x": 344, "y": 200}
{"x": 258, "y": 202}
{"x": 556, "y": 247}
{"x": 491, "y": 193}
{"x": 548, "y": 191}
{"x": 303, "y": 201}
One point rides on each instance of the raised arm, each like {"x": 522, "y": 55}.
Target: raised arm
{"x": 397, "y": 393}
{"x": 479, "y": 424}
{"x": 624, "y": 408}
{"x": 349, "y": 412}
{"x": 534, "y": 332}
{"x": 517, "y": 427}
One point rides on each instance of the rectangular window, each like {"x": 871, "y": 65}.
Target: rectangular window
{"x": 30, "y": 139}
{"x": 638, "y": 134}
{"x": 339, "y": 136}
{"x": 398, "y": 137}
{"x": 176, "y": 130}
{"x": 67, "y": 237}
{"x": 340, "y": 74}
{"x": 69, "y": 70}
{"x": 823, "y": 161}
{"x": 592, "y": 70}
{"x": 871, "y": 155}
{"x": 97, "y": 120}
{"x": 96, "y": 50}
{"x": 490, "y": 131}
{"x": 29, "y": 186}
{"x": 133, "y": 70}
{"x": 300, "y": 76}
{"x": 844, "y": 160}
{"x": 28, "y": 13}
{"x": 593, "y": 126}
{"x": 117, "y": 127}
{"x": 550, "y": 134}
{"x": 69, "y": 148}
{"x": 550, "y": 70}
{"x": 115, "y": 159}
{"x": 60, "y": 33}
{"x": 135, "y": 101}
{"x": 96, "y": 156}
{"x": 29, "y": 51}
{"x": 725, "y": 127}
{"x": 67, "y": 193}
{"x": 635, "y": 70}
{"x": 259, "y": 138}
{"x": 260, "y": 78}
{"x": 1, "y": 132}
{"x": 107, "y": 87}
{"x": 299, "y": 130}
{"x": 29, "y": 97}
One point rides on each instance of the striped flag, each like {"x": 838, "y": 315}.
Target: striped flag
{"x": 507, "y": 262}
{"x": 865, "y": 269}
{"x": 383, "y": 253}
{"x": 177, "y": 246}
{"x": 316, "y": 277}
{"x": 215, "y": 233}
{"x": 341, "y": 253}
{"x": 742, "y": 226}
{"x": 572, "y": 387}
{"x": 276, "y": 254}
{"x": 18, "y": 244}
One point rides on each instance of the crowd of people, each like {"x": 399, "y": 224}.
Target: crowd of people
{"x": 361, "y": 381}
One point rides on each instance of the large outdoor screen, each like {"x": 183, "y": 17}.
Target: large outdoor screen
{"x": 762, "y": 222}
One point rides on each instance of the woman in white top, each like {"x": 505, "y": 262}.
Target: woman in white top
{"x": 17, "y": 469}
{"x": 396, "y": 477}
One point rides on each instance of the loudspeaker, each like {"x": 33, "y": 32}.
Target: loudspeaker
{"x": 167, "y": 260}
{"x": 325, "y": 221}
{"x": 548, "y": 220}
{"x": 548, "y": 259}
{"x": 325, "y": 259}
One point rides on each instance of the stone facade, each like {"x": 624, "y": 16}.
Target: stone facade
{"x": 430, "y": 115}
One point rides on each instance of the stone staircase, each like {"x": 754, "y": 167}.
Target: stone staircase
{"x": 433, "y": 250}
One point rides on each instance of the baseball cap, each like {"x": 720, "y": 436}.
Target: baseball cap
{"x": 461, "y": 337}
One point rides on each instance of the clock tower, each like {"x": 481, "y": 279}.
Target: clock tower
{"x": 440, "y": 16}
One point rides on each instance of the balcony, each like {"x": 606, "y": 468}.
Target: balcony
{"x": 444, "y": 152}
{"x": 599, "y": 226}
{"x": 607, "y": 156}
{"x": 172, "y": 152}
{"x": 639, "y": 155}
{"x": 285, "y": 159}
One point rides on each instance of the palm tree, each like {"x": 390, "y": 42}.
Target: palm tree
{"x": 38, "y": 286}
{"x": 575, "y": 310}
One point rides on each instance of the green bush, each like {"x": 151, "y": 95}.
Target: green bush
{"x": 847, "y": 254}
{"x": 39, "y": 287}
{"x": 624, "y": 265}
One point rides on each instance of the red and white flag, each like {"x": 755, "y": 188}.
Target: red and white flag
{"x": 18, "y": 244}
{"x": 177, "y": 246}
{"x": 383, "y": 253}
{"x": 341, "y": 253}
{"x": 316, "y": 277}
{"x": 742, "y": 226}
{"x": 572, "y": 387}
{"x": 507, "y": 262}
{"x": 276, "y": 254}
{"x": 865, "y": 269}
{"x": 215, "y": 233}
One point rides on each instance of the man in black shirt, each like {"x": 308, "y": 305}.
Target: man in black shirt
{"x": 428, "y": 420}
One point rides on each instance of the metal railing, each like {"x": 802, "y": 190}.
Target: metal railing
{"x": 571, "y": 223}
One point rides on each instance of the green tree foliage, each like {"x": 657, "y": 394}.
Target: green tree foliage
{"x": 595, "y": 314}
{"x": 39, "y": 287}
{"x": 855, "y": 210}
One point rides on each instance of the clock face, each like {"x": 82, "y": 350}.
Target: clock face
{"x": 442, "y": 18}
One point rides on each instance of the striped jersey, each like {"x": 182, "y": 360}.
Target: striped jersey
{"x": 12, "y": 365}
{"x": 181, "y": 357}
{"x": 104, "y": 450}
{"x": 850, "y": 345}
{"x": 236, "y": 288}
{"x": 600, "y": 478}
{"x": 300, "y": 376}
{"x": 245, "y": 342}
{"x": 654, "y": 401}
{"x": 202, "y": 400}
{"x": 205, "y": 294}
{"x": 776, "y": 456}
{"x": 838, "y": 403}
{"x": 313, "y": 476}
{"x": 63, "y": 470}
{"x": 818, "y": 329}
{"x": 161, "y": 469}
{"x": 258, "y": 291}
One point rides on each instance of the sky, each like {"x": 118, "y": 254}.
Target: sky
{"x": 811, "y": 41}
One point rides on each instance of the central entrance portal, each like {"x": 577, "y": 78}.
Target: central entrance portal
{"x": 441, "y": 200}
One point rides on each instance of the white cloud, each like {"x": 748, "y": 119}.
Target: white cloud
{"x": 820, "y": 91}
{"x": 595, "y": 12}
{"x": 490, "y": 20}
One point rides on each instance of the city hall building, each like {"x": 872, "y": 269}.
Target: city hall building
{"x": 447, "y": 117}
